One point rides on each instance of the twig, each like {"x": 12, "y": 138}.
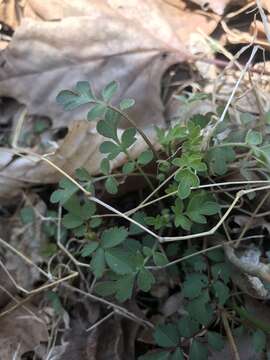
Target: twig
{"x": 230, "y": 336}
{"x": 264, "y": 19}
{"x": 23, "y": 257}
{"x": 249, "y": 222}
{"x": 119, "y": 309}
{"x": 204, "y": 251}
{"x": 105, "y": 318}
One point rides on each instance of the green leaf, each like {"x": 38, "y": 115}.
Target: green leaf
{"x": 183, "y": 221}
{"x": 73, "y": 205}
{"x": 140, "y": 218}
{"x": 198, "y": 351}
{"x": 160, "y": 259}
{"x": 194, "y": 284}
{"x": 40, "y": 125}
{"x": 215, "y": 255}
{"x": 80, "y": 231}
{"x": 27, "y": 215}
{"x": 108, "y": 128}
{"x": 105, "y": 288}
{"x": 98, "y": 263}
{"x": 247, "y": 118}
{"x": 166, "y": 335}
{"x": 128, "y": 138}
{"x": 88, "y": 209}
{"x": 105, "y": 166}
{"x": 82, "y": 174}
{"x": 178, "y": 208}
{"x": 124, "y": 287}
{"x": 111, "y": 185}
{"x": 222, "y": 292}
{"x": 218, "y": 159}
{"x": 95, "y": 222}
{"x": 187, "y": 326}
{"x": 126, "y": 104}
{"x": 109, "y": 91}
{"x": 119, "y": 261}
{"x": 215, "y": 340}
{"x": 82, "y": 94}
{"x": 145, "y": 157}
{"x": 89, "y": 249}
{"x": 199, "y": 206}
{"x": 113, "y": 236}
{"x": 200, "y": 310}
{"x": 109, "y": 147}
{"x": 222, "y": 270}
{"x": 187, "y": 179}
{"x": 56, "y": 302}
{"x": 145, "y": 280}
{"x": 147, "y": 251}
{"x": 259, "y": 340}
{"x": 67, "y": 189}
{"x": 177, "y": 355}
{"x": 253, "y": 137}
{"x": 71, "y": 221}
{"x": 128, "y": 167}
{"x": 155, "y": 355}
{"x": 96, "y": 112}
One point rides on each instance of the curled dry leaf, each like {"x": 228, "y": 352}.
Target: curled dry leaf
{"x": 132, "y": 42}
{"x": 21, "y": 331}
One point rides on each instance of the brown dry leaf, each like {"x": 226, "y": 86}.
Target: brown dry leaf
{"x": 132, "y": 42}
{"x": 218, "y": 6}
{"x": 78, "y": 149}
{"x": 11, "y": 12}
{"x": 136, "y": 57}
{"x": 21, "y": 331}
{"x": 30, "y": 240}
{"x": 266, "y": 4}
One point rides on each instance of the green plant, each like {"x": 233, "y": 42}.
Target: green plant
{"x": 123, "y": 259}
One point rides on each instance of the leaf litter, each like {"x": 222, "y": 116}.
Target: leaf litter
{"x": 135, "y": 43}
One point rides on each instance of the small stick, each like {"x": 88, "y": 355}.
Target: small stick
{"x": 264, "y": 20}
{"x": 230, "y": 336}
{"x": 105, "y": 318}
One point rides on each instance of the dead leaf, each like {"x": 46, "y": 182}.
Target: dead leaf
{"x": 45, "y": 57}
{"x": 30, "y": 240}
{"x": 173, "y": 304}
{"x": 21, "y": 331}
{"x": 11, "y": 12}
{"x": 217, "y": 6}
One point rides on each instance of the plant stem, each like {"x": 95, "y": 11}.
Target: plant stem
{"x": 230, "y": 336}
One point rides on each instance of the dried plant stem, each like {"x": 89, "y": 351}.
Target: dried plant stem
{"x": 23, "y": 257}
{"x": 117, "y": 309}
{"x": 105, "y": 318}
{"x": 230, "y": 336}
{"x": 264, "y": 19}
{"x": 201, "y": 252}
{"x": 250, "y": 220}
